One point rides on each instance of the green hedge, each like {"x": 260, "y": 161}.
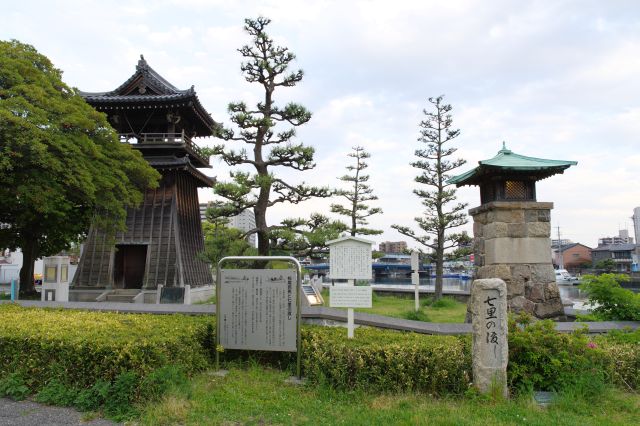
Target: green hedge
{"x": 79, "y": 348}
{"x": 89, "y": 352}
{"x": 386, "y": 360}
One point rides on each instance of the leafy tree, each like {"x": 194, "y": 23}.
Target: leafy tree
{"x": 306, "y": 237}
{"x": 605, "y": 264}
{"x": 377, "y": 254}
{"x": 220, "y": 240}
{"x": 436, "y": 131}
{"x": 268, "y": 66}
{"x": 357, "y": 210}
{"x": 61, "y": 165}
{"x": 611, "y": 302}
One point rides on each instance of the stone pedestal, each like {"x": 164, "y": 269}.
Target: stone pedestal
{"x": 512, "y": 243}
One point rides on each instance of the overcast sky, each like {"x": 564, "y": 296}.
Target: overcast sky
{"x": 554, "y": 79}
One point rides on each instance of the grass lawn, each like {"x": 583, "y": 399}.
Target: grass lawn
{"x": 258, "y": 395}
{"x": 448, "y": 310}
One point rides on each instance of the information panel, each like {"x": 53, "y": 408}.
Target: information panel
{"x": 349, "y": 296}
{"x": 350, "y": 260}
{"x": 258, "y": 309}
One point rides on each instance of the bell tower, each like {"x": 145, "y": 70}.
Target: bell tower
{"x": 164, "y": 235}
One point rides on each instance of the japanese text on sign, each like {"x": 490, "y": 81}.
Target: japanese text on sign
{"x": 490, "y": 320}
{"x": 350, "y": 260}
{"x": 258, "y": 309}
{"x": 346, "y": 296}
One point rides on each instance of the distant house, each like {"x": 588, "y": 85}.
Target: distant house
{"x": 574, "y": 256}
{"x": 621, "y": 254}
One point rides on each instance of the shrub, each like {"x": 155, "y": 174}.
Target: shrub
{"x": 158, "y": 382}
{"x": 56, "y": 393}
{"x": 623, "y": 362}
{"x": 14, "y": 386}
{"x": 541, "y": 358}
{"x": 415, "y": 315}
{"x": 121, "y": 393}
{"x": 79, "y": 347}
{"x": 443, "y": 302}
{"x": 94, "y": 397}
{"x": 386, "y": 360}
{"x": 94, "y": 359}
{"x": 612, "y": 302}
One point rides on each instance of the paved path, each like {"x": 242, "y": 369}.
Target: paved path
{"x": 29, "y": 413}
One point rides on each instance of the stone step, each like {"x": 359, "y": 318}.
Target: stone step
{"x": 122, "y": 298}
{"x": 125, "y": 291}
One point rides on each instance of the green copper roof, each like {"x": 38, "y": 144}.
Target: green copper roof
{"x": 509, "y": 163}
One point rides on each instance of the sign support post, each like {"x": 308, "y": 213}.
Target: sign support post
{"x": 14, "y": 290}
{"x": 415, "y": 277}
{"x": 350, "y": 325}
{"x": 264, "y": 290}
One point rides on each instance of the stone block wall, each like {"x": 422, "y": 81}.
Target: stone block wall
{"x": 511, "y": 242}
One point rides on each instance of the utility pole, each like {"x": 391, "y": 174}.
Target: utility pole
{"x": 561, "y": 259}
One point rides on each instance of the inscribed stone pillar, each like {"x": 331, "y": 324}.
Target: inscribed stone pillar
{"x": 512, "y": 243}
{"x": 490, "y": 350}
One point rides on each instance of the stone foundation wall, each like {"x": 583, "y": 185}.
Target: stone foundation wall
{"x": 512, "y": 243}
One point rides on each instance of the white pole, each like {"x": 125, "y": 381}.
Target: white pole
{"x": 415, "y": 277}
{"x": 350, "y": 325}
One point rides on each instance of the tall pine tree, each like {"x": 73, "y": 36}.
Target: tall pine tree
{"x": 440, "y": 215}
{"x": 360, "y": 193}
{"x": 266, "y": 65}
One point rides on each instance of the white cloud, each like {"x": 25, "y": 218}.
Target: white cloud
{"x": 552, "y": 79}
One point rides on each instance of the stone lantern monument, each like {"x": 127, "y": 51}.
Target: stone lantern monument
{"x": 511, "y": 229}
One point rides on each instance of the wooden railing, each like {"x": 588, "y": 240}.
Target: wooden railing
{"x": 160, "y": 138}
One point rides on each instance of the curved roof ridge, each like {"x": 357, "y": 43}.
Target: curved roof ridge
{"x": 150, "y": 77}
{"x": 507, "y": 160}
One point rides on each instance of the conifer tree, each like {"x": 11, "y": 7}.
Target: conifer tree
{"x": 440, "y": 216}
{"x": 360, "y": 193}
{"x": 306, "y": 237}
{"x": 267, "y": 65}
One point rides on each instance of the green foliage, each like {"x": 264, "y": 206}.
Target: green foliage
{"x": 541, "y": 358}
{"x": 624, "y": 336}
{"x": 623, "y": 362}
{"x": 112, "y": 362}
{"x": 305, "y": 237}
{"x": 118, "y": 404}
{"x": 221, "y": 241}
{"x": 85, "y": 347}
{"x": 254, "y": 395}
{"x": 361, "y": 193}
{"x": 93, "y": 398}
{"x": 440, "y": 216}
{"x": 56, "y": 393}
{"x": 416, "y": 316}
{"x": 607, "y": 265}
{"x": 267, "y": 65}
{"x": 14, "y": 386}
{"x": 444, "y": 302}
{"x": 61, "y": 164}
{"x": 160, "y": 381}
{"x": 383, "y": 360}
{"x": 611, "y": 301}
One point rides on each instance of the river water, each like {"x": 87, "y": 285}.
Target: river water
{"x": 569, "y": 293}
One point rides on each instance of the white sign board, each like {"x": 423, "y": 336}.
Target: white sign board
{"x": 347, "y": 296}
{"x": 350, "y": 259}
{"x": 258, "y": 309}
